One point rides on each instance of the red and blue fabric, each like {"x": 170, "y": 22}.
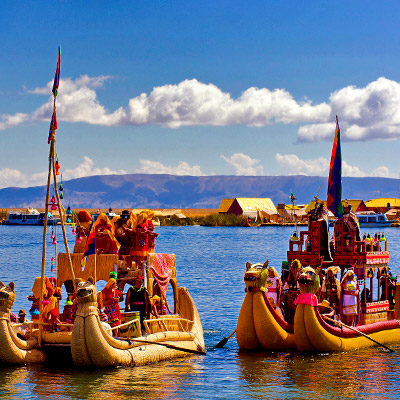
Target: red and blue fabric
{"x": 90, "y": 247}
{"x": 57, "y": 76}
{"x": 334, "y": 200}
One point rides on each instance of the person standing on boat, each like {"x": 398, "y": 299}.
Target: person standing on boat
{"x": 151, "y": 241}
{"x": 141, "y": 239}
{"x": 83, "y": 222}
{"x": 137, "y": 299}
{"x": 320, "y": 215}
{"x": 109, "y": 299}
{"x": 123, "y": 235}
{"x": 105, "y": 240}
{"x": 330, "y": 289}
{"x": 387, "y": 282}
{"x": 350, "y": 298}
{"x": 273, "y": 285}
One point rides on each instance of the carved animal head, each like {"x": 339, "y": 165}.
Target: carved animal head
{"x": 85, "y": 291}
{"x": 256, "y": 275}
{"x": 308, "y": 280}
{"x": 7, "y": 297}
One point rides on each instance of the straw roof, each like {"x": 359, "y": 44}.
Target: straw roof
{"x": 383, "y": 202}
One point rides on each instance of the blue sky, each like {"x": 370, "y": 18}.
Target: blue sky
{"x": 199, "y": 88}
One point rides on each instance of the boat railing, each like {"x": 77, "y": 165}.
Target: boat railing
{"x": 167, "y": 323}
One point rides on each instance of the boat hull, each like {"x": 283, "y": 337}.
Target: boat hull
{"x": 92, "y": 346}
{"x": 312, "y": 333}
{"x": 259, "y": 327}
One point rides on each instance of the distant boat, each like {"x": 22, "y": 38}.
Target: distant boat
{"x": 372, "y": 219}
{"x": 30, "y": 217}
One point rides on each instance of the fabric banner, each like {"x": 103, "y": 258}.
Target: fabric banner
{"x": 161, "y": 268}
{"x": 307, "y": 298}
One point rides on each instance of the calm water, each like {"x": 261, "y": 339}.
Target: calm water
{"x": 210, "y": 263}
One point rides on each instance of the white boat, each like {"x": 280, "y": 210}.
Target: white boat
{"x": 372, "y": 219}
{"x": 30, "y": 217}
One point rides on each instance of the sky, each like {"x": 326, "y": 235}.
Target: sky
{"x": 199, "y": 88}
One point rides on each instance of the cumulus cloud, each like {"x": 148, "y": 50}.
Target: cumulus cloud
{"x": 242, "y": 164}
{"x": 155, "y": 167}
{"x": 291, "y": 164}
{"x": 13, "y": 177}
{"x": 368, "y": 113}
{"x": 189, "y": 102}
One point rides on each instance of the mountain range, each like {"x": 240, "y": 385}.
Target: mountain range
{"x": 171, "y": 191}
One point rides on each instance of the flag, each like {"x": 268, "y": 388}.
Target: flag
{"x": 90, "y": 246}
{"x": 53, "y": 125}
{"x": 57, "y": 76}
{"x": 334, "y": 200}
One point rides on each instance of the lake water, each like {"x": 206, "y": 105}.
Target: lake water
{"x": 210, "y": 263}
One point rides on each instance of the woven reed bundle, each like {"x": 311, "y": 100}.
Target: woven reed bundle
{"x": 92, "y": 346}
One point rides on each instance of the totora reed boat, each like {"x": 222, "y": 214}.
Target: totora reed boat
{"x": 85, "y": 338}
{"x": 307, "y": 308}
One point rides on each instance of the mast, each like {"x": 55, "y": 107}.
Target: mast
{"x": 52, "y": 171}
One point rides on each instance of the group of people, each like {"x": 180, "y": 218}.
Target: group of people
{"x": 130, "y": 235}
{"x": 137, "y": 299}
{"x": 337, "y": 299}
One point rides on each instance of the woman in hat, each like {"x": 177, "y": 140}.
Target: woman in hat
{"x": 326, "y": 310}
{"x": 350, "y": 299}
{"x": 83, "y": 222}
{"x": 330, "y": 289}
{"x": 109, "y": 299}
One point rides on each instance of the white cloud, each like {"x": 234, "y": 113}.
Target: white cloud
{"x": 85, "y": 168}
{"x": 244, "y": 165}
{"x": 291, "y": 164}
{"x": 155, "y": 167}
{"x": 13, "y": 177}
{"x": 368, "y": 113}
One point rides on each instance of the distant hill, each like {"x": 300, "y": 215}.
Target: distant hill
{"x": 170, "y": 191}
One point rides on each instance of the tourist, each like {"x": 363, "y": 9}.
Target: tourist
{"x": 22, "y": 330}
{"x": 350, "y": 301}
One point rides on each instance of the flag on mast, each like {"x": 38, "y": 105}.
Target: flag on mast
{"x": 334, "y": 200}
{"x": 90, "y": 246}
{"x": 57, "y": 76}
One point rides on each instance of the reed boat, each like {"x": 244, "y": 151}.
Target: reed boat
{"x": 85, "y": 340}
{"x": 169, "y": 336}
{"x": 301, "y": 323}
{"x": 259, "y": 325}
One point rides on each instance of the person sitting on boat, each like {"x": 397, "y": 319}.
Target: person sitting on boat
{"x": 22, "y": 330}
{"x": 69, "y": 312}
{"x": 105, "y": 240}
{"x": 330, "y": 289}
{"x": 151, "y": 241}
{"x": 350, "y": 223}
{"x": 108, "y": 300}
{"x": 48, "y": 291}
{"x": 387, "y": 282}
{"x": 123, "y": 235}
{"x": 274, "y": 285}
{"x": 326, "y": 310}
{"x": 350, "y": 300}
{"x": 320, "y": 214}
{"x": 137, "y": 299}
{"x": 83, "y": 223}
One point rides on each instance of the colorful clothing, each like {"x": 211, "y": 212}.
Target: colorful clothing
{"x": 110, "y": 302}
{"x": 350, "y": 297}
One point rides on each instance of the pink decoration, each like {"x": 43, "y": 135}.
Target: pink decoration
{"x": 307, "y": 298}
{"x": 73, "y": 231}
{"x": 162, "y": 270}
{"x": 54, "y": 241}
{"x": 52, "y": 235}
{"x": 53, "y": 199}
{"x": 45, "y": 302}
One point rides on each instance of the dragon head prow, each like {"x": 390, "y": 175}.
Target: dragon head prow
{"x": 7, "y": 297}
{"x": 256, "y": 275}
{"x": 309, "y": 280}
{"x": 85, "y": 291}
